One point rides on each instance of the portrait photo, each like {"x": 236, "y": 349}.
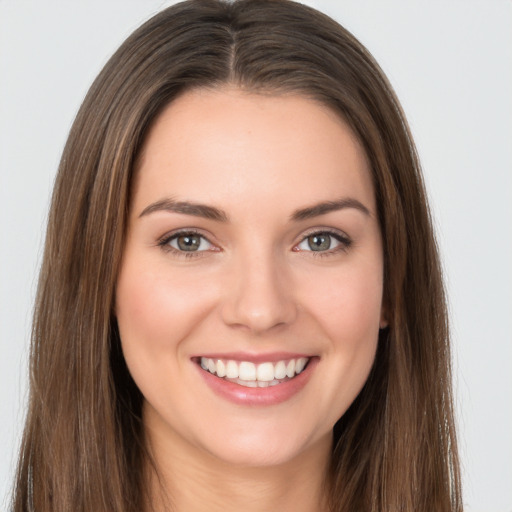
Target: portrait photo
{"x": 256, "y": 255}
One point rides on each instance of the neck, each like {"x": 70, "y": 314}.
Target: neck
{"x": 187, "y": 479}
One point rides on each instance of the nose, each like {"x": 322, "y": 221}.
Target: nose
{"x": 259, "y": 295}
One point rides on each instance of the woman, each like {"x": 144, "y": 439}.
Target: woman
{"x": 240, "y": 303}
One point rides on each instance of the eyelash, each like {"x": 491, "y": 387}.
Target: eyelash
{"x": 344, "y": 241}
{"x": 164, "y": 244}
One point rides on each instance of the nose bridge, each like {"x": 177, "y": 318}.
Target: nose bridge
{"x": 259, "y": 293}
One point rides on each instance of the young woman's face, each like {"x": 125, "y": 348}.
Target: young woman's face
{"x": 250, "y": 293}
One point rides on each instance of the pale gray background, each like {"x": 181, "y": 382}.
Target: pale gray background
{"x": 450, "y": 62}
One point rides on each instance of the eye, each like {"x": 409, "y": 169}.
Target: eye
{"x": 323, "y": 241}
{"x": 187, "y": 242}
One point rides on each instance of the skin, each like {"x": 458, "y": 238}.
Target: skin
{"x": 255, "y": 286}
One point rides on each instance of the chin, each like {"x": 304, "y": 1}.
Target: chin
{"x": 265, "y": 448}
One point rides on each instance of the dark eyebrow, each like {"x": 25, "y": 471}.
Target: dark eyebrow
{"x": 327, "y": 207}
{"x": 186, "y": 207}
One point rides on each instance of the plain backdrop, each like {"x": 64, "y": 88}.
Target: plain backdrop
{"x": 450, "y": 62}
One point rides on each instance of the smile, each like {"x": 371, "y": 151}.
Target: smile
{"x": 251, "y": 375}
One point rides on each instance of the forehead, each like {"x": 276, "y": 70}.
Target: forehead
{"x": 237, "y": 147}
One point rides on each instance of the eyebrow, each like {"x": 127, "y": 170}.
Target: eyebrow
{"x": 212, "y": 213}
{"x": 327, "y": 207}
{"x": 186, "y": 207}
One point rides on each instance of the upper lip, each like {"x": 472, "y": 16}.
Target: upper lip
{"x": 270, "y": 357}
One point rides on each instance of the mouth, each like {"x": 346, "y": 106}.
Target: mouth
{"x": 262, "y": 381}
{"x": 252, "y": 375}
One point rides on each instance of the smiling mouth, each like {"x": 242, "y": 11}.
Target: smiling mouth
{"x": 251, "y": 375}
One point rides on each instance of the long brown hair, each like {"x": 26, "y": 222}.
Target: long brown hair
{"x": 83, "y": 447}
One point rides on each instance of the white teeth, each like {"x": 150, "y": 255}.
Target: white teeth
{"x": 232, "y": 370}
{"x": 301, "y": 363}
{"x": 247, "y": 371}
{"x": 290, "y": 369}
{"x": 221, "y": 368}
{"x": 249, "y": 374}
{"x": 280, "y": 370}
{"x": 255, "y": 383}
{"x": 265, "y": 372}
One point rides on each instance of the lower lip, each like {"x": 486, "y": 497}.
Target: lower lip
{"x": 271, "y": 395}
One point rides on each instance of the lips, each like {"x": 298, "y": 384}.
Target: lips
{"x": 260, "y": 380}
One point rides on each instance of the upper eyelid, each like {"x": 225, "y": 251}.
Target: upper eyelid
{"x": 184, "y": 231}
{"x": 319, "y": 230}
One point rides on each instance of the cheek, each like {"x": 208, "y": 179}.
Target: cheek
{"x": 348, "y": 307}
{"x": 349, "y": 314}
{"x": 155, "y": 309}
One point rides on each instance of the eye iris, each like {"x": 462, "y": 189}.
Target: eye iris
{"x": 319, "y": 242}
{"x": 189, "y": 242}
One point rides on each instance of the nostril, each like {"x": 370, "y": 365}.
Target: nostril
{"x": 260, "y": 317}
{"x": 258, "y": 294}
